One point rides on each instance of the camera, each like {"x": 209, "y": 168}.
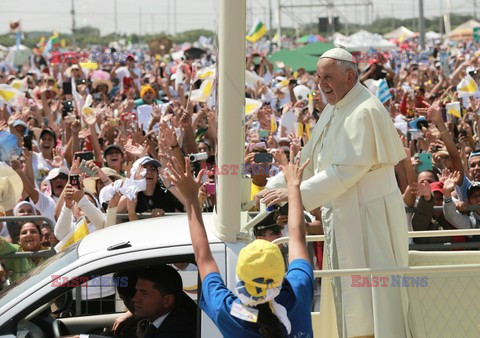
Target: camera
{"x": 198, "y": 157}
{"x": 67, "y": 107}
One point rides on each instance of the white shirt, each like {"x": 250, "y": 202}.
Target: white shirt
{"x": 157, "y": 322}
{"x": 46, "y": 206}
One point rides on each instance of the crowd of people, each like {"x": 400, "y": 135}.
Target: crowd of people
{"x": 81, "y": 146}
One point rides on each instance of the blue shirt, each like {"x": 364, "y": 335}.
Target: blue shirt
{"x": 296, "y": 296}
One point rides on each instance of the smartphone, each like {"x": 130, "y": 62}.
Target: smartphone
{"x": 84, "y": 156}
{"x": 86, "y": 170}
{"x": 67, "y": 107}
{"x": 263, "y": 133}
{"x": 75, "y": 181}
{"x": 293, "y": 81}
{"x": 67, "y": 88}
{"x": 425, "y": 162}
{"x": 210, "y": 188}
{"x": 27, "y": 142}
{"x": 461, "y": 132}
{"x": 263, "y": 158}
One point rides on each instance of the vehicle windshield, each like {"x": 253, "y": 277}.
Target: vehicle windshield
{"x": 41, "y": 272}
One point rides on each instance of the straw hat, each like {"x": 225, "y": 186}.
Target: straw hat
{"x": 11, "y": 187}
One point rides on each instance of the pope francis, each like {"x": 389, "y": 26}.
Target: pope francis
{"x": 353, "y": 150}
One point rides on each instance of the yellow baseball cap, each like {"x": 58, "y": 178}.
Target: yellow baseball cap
{"x": 260, "y": 266}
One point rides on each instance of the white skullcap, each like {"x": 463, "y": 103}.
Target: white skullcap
{"x": 339, "y": 54}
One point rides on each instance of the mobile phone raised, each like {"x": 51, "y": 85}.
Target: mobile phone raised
{"x": 263, "y": 158}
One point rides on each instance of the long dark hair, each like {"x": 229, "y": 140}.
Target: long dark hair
{"x": 270, "y": 326}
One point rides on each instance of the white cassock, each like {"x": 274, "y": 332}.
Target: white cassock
{"x": 353, "y": 150}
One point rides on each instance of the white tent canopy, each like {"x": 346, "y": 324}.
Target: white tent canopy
{"x": 364, "y": 41}
{"x": 400, "y": 32}
{"x": 432, "y": 35}
{"x": 464, "y": 31}
{"x": 18, "y": 57}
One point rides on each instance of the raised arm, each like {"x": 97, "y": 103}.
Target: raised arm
{"x": 297, "y": 244}
{"x": 188, "y": 187}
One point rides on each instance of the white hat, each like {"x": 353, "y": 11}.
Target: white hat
{"x": 339, "y": 54}
{"x": 55, "y": 172}
{"x": 11, "y": 187}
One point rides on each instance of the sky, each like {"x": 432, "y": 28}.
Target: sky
{"x": 155, "y": 16}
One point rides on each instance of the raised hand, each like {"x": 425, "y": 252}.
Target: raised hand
{"x": 432, "y": 111}
{"x": 184, "y": 182}
{"x": 293, "y": 171}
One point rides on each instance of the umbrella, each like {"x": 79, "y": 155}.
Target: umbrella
{"x": 295, "y": 60}
{"x": 315, "y": 49}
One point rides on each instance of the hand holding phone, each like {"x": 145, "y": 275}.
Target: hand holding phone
{"x": 75, "y": 181}
{"x": 86, "y": 169}
{"x": 425, "y": 162}
{"x": 27, "y": 142}
{"x": 263, "y": 158}
{"x": 84, "y": 156}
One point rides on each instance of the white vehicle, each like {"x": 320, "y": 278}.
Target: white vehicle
{"x": 27, "y": 307}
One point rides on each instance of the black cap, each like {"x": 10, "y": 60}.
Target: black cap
{"x": 49, "y": 131}
{"x": 472, "y": 188}
{"x": 110, "y": 147}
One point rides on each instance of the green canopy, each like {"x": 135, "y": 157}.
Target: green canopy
{"x": 316, "y": 48}
{"x": 294, "y": 60}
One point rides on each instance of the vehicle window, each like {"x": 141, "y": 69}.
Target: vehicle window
{"x": 40, "y": 273}
{"x": 93, "y": 306}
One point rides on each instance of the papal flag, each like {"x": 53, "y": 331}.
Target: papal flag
{"x": 10, "y": 95}
{"x": 79, "y": 231}
{"x": 453, "y": 109}
{"x": 257, "y": 31}
{"x": 467, "y": 87}
{"x": 252, "y": 106}
{"x": 203, "y": 93}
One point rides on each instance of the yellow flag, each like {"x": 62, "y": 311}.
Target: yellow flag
{"x": 10, "y": 95}
{"x": 203, "y": 93}
{"x": 273, "y": 124}
{"x": 78, "y": 233}
{"x": 467, "y": 87}
{"x": 453, "y": 108}
{"x": 252, "y": 106}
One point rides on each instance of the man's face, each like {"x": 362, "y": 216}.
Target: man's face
{"x": 45, "y": 238}
{"x": 149, "y": 302}
{"x": 333, "y": 80}
{"x": 46, "y": 142}
{"x": 474, "y": 168}
{"x": 114, "y": 158}
{"x": 58, "y": 184}
{"x": 148, "y": 97}
{"x": 474, "y": 198}
{"x": 425, "y": 176}
{"x": 270, "y": 235}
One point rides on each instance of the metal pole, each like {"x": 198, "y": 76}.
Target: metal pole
{"x": 279, "y": 24}
{"x": 421, "y": 24}
{"x": 231, "y": 112}
{"x": 74, "y": 42}
{"x": 270, "y": 18}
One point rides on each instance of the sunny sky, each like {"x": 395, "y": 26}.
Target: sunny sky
{"x": 159, "y": 15}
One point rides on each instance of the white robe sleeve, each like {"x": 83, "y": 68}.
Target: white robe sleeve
{"x": 95, "y": 216}
{"x": 64, "y": 223}
{"x": 329, "y": 184}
